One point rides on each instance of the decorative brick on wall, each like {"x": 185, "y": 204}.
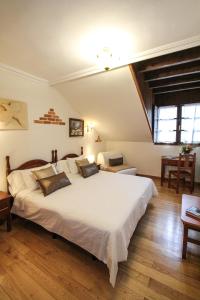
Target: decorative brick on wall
{"x": 50, "y": 118}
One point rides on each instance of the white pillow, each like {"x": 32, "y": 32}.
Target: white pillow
{"x": 29, "y": 178}
{"x": 16, "y": 182}
{"x": 61, "y": 166}
{"x": 71, "y": 162}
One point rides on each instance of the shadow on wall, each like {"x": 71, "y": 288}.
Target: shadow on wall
{"x": 146, "y": 157}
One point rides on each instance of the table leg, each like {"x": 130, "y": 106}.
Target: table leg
{"x": 9, "y": 223}
{"x": 162, "y": 174}
{"x": 185, "y": 239}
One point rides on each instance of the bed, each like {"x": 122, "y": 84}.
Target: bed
{"x": 99, "y": 213}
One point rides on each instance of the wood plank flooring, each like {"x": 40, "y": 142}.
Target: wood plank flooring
{"x": 35, "y": 266}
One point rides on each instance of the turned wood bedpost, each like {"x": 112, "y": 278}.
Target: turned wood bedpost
{"x": 8, "y": 170}
{"x": 8, "y": 165}
{"x": 52, "y": 156}
{"x": 82, "y": 150}
{"x": 56, "y": 155}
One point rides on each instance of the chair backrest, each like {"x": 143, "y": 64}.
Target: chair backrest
{"x": 187, "y": 162}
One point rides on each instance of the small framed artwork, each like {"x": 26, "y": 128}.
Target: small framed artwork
{"x": 13, "y": 115}
{"x": 76, "y": 127}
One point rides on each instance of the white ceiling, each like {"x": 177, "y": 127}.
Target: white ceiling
{"x": 55, "y": 38}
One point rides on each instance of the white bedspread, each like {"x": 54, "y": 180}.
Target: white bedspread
{"x": 98, "y": 213}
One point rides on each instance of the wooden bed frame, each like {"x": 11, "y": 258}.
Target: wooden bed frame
{"x": 34, "y": 163}
{"x": 70, "y": 155}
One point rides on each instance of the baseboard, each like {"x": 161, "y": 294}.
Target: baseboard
{"x": 158, "y": 177}
{"x": 149, "y": 176}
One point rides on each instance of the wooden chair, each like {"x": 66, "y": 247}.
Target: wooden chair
{"x": 185, "y": 170}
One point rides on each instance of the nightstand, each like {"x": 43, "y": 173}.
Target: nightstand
{"x": 99, "y": 166}
{"x": 5, "y": 209}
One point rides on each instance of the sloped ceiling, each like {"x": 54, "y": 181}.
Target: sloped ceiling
{"x": 47, "y": 38}
{"x": 111, "y": 101}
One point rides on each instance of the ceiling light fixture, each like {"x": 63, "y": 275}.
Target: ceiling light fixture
{"x": 106, "y": 59}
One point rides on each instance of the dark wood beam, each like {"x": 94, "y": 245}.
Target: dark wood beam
{"x": 171, "y": 79}
{"x": 181, "y": 97}
{"x": 171, "y": 65}
{"x": 176, "y": 90}
{"x": 174, "y": 81}
{"x": 172, "y": 73}
{"x": 145, "y": 95}
{"x": 169, "y": 60}
{"x": 177, "y": 87}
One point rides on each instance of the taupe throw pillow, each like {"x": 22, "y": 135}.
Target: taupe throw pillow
{"x": 116, "y": 161}
{"x": 89, "y": 170}
{"x": 81, "y": 162}
{"x": 43, "y": 173}
{"x": 51, "y": 184}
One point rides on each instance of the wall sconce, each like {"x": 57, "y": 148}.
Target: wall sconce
{"x": 98, "y": 140}
{"x": 90, "y": 127}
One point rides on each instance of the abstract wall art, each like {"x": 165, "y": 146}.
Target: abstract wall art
{"x": 13, "y": 115}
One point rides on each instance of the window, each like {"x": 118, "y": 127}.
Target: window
{"x": 177, "y": 124}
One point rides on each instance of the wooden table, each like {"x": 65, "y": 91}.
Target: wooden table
{"x": 167, "y": 161}
{"x": 188, "y": 222}
{"x": 5, "y": 209}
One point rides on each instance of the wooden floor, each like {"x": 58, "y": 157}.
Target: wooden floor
{"x": 34, "y": 266}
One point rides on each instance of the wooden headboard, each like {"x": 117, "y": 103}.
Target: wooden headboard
{"x": 34, "y": 163}
{"x": 69, "y": 155}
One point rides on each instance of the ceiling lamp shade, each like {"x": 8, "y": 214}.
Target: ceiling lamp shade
{"x": 106, "y": 59}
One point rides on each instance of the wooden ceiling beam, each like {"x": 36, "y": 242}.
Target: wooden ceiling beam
{"x": 176, "y": 90}
{"x": 162, "y": 66}
{"x": 177, "y": 87}
{"x": 172, "y": 78}
{"x": 170, "y": 60}
{"x": 180, "y": 97}
{"x": 174, "y": 81}
{"x": 172, "y": 73}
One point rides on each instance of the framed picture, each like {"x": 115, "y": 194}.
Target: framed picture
{"x": 13, "y": 115}
{"x": 76, "y": 127}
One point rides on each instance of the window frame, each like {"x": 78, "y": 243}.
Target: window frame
{"x": 178, "y": 126}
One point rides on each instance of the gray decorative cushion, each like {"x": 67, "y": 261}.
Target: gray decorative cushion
{"x": 116, "y": 161}
{"x": 51, "y": 184}
{"x": 43, "y": 173}
{"x": 81, "y": 162}
{"x": 89, "y": 170}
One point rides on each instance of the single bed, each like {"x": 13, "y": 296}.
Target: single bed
{"x": 99, "y": 213}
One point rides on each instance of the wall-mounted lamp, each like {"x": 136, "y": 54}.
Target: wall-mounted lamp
{"x": 98, "y": 140}
{"x": 90, "y": 127}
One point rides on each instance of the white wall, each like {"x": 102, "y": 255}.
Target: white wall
{"x": 38, "y": 140}
{"x": 146, "y": 157}
{"x": 111, "y": 100}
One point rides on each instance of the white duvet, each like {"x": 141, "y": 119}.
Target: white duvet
{"x": 99, "y": 213}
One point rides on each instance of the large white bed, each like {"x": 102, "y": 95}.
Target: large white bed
{"x": 99, "y": 213}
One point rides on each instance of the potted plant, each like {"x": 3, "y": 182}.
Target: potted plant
{"x": 186, "y": 149}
